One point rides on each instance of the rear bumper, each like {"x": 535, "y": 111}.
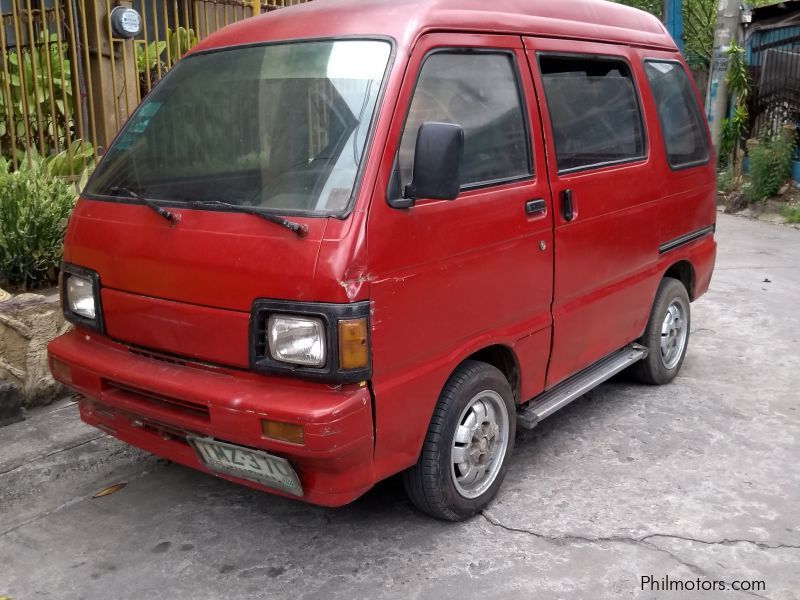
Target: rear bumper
{"x": 154, "y": 403}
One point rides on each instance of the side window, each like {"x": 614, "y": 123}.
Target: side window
{"x": 478, "y": 91}
{"x": 682, "y": 124}
{"x": 594, "y": 111}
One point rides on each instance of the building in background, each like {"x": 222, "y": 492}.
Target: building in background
{"x": 772, "y": 44}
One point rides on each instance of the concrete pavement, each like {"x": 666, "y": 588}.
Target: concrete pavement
{"x": 698, "y": 480}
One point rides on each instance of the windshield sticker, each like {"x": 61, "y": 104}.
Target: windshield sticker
{"x": 142, "y": 119}
{"x": 138, "y": 126}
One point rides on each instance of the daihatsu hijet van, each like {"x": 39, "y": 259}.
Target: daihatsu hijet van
{"x": 351, "y": 239}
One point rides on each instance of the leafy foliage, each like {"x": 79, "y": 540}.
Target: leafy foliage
{"x": 699, "y": 22}
{"x": 770, "y": 165}
{"x": 36, "y": 96}
{"x": 151, "y": 59}
{"x": 34, "y": 206}
{"x": 725, "y": 182}
{"x": 148, "y": 55}
{"x": 791, "y": 213}
{"x": 735, "y": 128}
{"x": 78, "y": 159}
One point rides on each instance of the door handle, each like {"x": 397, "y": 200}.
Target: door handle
{"x": 567, "y": 206}
{"x": 535, "y": 207}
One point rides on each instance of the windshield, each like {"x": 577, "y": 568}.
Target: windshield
{"x": 280, "y": 127}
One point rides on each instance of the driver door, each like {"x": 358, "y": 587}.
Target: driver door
{"x": 449, "y": 278}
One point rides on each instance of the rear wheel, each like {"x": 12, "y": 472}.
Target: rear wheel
{"x": 465, "y": 454}
{"x": 666, "y": 336}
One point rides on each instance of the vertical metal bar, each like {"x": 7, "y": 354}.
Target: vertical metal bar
{"x": 100, "y": 85}
{"x": 23, "y": 83}
{"x": 84, "y": 29}
{"x": 35, "y": 76}
{"x": 145, "y": 51}
{"x": 156, "y": 40}
{"x": 68, "y": 112}
{"x": 216, "y": 15}
{"x": 50, "y": 84}
{"x": 77, "y": 73}
{"x": 8, "y": 97}
{"x": 186, "y": 15}
{"x": 165, "y": 17}
{"x": 177, "y": 19}
{"x": 126, "y": 79}
{"x": 196, "y": 18}
{"x": 113, "y": 67}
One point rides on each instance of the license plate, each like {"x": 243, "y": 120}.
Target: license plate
{"x": 253, "y": 465}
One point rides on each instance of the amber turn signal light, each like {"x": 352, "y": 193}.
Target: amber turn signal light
{"x": 61, "y": 371}
{"x": 285, "y": 432}
{"x": 353, "y": 347}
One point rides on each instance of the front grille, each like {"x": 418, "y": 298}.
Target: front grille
{"x": 197, "y": 412}
{"x": 173, "y": 360}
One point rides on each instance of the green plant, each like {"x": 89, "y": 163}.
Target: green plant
{"x": 791, "y": 213}
{"x": 735, "y": 128}
{"x": 180, "y": 42}
{"x": 151, "y": 59}
{"x": 148, "y": 55}
{"x": 34, "y": 207}
{"x": 770, "y": 166}
{"x": 36, "y": 97}
{"x": 725, "y": 182}
{"x": 73, "y": 161}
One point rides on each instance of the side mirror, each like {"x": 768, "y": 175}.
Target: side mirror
{"x": 437, "y": 162}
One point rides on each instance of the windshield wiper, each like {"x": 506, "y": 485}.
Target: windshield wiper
{"x": 300, "y": 230}
{"x": 155, "y": 207}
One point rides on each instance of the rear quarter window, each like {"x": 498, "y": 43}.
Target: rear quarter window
{"x": 682, "y": 124}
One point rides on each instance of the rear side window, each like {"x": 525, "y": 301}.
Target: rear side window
{"x": 479, "y": 92}
{"x": 594, "y": 111}
{"x": 681, "y": 122}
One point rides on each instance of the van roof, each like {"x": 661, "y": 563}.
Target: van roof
{"x": 406, "y": 20}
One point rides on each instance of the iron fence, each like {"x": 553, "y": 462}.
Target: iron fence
{"x": 67, "y": 83}
{"x": 773, "y": 58}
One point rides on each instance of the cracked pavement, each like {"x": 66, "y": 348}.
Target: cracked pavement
{"x": 698, "y": 479}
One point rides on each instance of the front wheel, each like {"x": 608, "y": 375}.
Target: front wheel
{"x": 465, "y": 454}
{"x": 666, "y": 336}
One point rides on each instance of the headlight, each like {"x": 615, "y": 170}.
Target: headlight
{"x": 80, "y": 296}
{"x": 322, "y": 341}
{"x": 297, "y": 340}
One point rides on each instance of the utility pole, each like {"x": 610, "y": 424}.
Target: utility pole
{"x": 728, "y": 18}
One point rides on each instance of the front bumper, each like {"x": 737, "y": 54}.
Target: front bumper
{"x": 153, "y": 402}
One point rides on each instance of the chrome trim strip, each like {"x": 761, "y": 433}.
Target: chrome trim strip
{"x": 685, "y": 239}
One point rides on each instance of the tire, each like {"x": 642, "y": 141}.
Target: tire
{"x": 436, "y": 484}
{"x": 664, "y": 360}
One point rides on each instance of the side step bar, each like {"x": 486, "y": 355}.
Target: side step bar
{"x": 544, "y": 405}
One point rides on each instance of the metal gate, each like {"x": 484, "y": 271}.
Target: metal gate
{"x": 773, "y": 58}
{"x": 67, "y": 84}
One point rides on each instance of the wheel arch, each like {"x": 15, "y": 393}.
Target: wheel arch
{"x": 683, "y": 271}
{"x": 504, "y": 359}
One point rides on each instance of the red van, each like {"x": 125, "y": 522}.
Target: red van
{"x": 350, "y": 239}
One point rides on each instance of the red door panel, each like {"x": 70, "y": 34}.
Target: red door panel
{"x": 450, "y": 278}
{"x": 602, "y": 282}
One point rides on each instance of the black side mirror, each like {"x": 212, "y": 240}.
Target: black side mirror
{"x": 437, "y": 162}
